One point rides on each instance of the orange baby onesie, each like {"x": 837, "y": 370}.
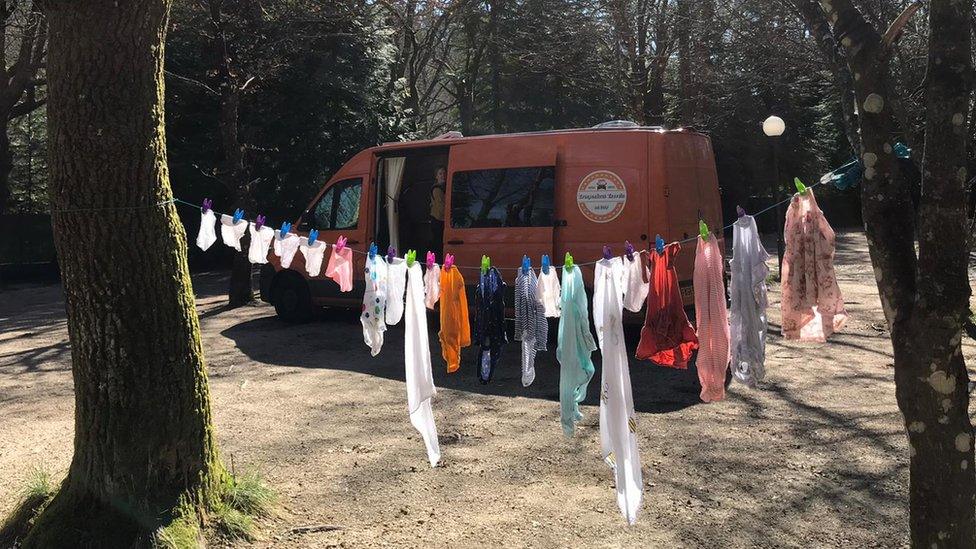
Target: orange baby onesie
{"x": 455, "y": 329}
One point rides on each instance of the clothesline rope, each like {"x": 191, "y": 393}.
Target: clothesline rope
{"x": 578, "y": 264}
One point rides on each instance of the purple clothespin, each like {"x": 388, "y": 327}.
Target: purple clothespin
{"x": 207, "y": 205}
{"x": 740, "y": 211}
{"x": 390, "y": 254}
{"x": 259, "y": 221}
{"x": 607, "y": 253}
{"x": 629, "y": 250}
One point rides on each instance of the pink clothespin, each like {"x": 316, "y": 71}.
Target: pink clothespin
{"x": 431, "y": 259}
{"x": 259, "y": 221}
{"x": 448, "y": 261}
{"x": 340, "y": 243}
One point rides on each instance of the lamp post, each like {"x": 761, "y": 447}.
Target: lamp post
{"x": 774, "y": 127}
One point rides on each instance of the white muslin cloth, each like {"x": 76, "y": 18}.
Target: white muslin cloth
{"x": 416, "y": 356}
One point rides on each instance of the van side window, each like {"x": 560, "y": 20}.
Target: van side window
{"x": 338, "y": 209}
{"x": 504, "y": 197}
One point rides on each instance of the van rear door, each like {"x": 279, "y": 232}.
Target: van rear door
{"x": 501, "y": 202}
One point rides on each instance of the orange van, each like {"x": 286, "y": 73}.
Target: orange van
{"x": 504, "y": 196}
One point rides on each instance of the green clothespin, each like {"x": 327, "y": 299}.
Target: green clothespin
{"x": 703, "y": 229}
{"x": 411, "y": 257}
{"x": 800, "y": 187}
{"x": 485, "y": 264}
{"x": 568, "y": 262}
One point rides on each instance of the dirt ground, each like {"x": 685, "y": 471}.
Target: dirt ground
{"x": 816, "y": 457}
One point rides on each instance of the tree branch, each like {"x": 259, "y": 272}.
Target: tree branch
{"x": 193, "y": 82}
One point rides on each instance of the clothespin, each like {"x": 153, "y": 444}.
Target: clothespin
{"x": 526, "y": 264}
{"x": 800, "y": 187}
{"x": 659, "y": 244}
{"x": 448, "y": 261}
{"x": 431, "y": 259}
{"x": 207, "y": 205}
{"x": 740, "y": 211}
{"x": 629, "y": 250}
{"x": 545, "y": 263}
{"x": 285, "y": 229}
{"x": 340, "y": 243}
{"x": 312, "y": 235}
{"x": 607, "y": 252}
{"x": 259, "y": 221}
{"x": 390, "y": 254}
{"x": 485, "y": 264}
{"x": 411, "y": 256}
{"x": 703, "y": 229}
{"x": 372, "y": 250}
{"x": 238, "y": 215}
{"x": 568, "y": 262}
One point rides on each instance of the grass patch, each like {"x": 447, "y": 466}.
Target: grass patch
{"x": 37, "y": 492}
{"x": 243, "y": 498}
{"x": 233, "y": 524}
{"x": 182, "y": 533}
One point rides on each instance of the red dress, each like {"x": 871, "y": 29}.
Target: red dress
{"x": 667, "y": 337}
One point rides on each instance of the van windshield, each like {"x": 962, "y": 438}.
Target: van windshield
{"x": 339, "y": 207}
{"x": 504, "y": 197}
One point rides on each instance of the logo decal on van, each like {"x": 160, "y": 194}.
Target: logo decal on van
{"x": 601, "y": 197}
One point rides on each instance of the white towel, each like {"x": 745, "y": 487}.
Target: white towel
{"x": 615, "y": 268}
{"x": 261, "y": 238}
{"x": 232, "y": 232}
{"x": 286, "y": 247}
{"x": 208, "y": 230}
{"x": 618, "y": 422}
{"x": 416, "y": 356}
{"x": 313, "y": 255}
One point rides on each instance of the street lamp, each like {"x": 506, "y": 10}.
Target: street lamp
{"x": 774, "y": 127}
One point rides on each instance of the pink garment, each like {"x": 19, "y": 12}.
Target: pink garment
{"x": 712, "y": 317}
{"x": 813, "y": 307}
{"x": 339, "y": 268}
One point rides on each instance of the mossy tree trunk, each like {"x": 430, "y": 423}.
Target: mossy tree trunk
{"x": 144, "y": 447}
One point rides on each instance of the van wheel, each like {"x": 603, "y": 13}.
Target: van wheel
{"x": 292, "y": 299}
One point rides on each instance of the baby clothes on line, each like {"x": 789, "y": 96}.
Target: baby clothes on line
{"x": 396, "y": 285}
{"x": 748, "y": 311}
{"x": 489, "y": 324}
{"x": 432, "y": 285}
{"x": 286, "y": 248}
{"x": 604, "y": 268}
{"x": 455, "y": 330}
{"x": 712, "y": 318}
{"x": 416, "y": 355}
{"x": 313, "y": 255}
{"x": 531, "y": 326}
{"x": 636, "y": 283}
{"x": 373, "y": 316}
{"x": 573, "y": 350}
{"x": 813, "y": 307}
{"x": 339, "y": 268}
{"x": 231, "y": 232}
{"x": 618, "y": 422}
{"x": 261, "y": 238}
{"x": 667, "y": 337}
{"x": 208, "y": 230}
{"x": 548, "y": 290}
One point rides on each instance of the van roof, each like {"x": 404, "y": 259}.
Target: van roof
{"x": 449, "y": 139}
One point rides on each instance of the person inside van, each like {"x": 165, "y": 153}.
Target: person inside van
{"x": 437, "y": 211}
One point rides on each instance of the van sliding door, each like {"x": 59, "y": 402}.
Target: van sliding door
{"x": 500, "y": 203}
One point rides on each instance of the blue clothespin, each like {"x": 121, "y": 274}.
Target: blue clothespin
{"x": 545, "y": 263}
{"x": 312, "y": 235}
{"x": 526, "y": 264}
{"x": 285, "y": 228}
{"x": 259, "y": 221}
{"x": 390, "y": 254}
{"x": 207, "y": 205}
{"x": 238, "y": 215}
{"x": 659, "y": 244}
{"x": 372, "y": 250}
{"x": 607, "y": 252}
{"x": 629, "y": 250}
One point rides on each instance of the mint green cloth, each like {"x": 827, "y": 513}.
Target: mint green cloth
{"x": 573, "y": 350}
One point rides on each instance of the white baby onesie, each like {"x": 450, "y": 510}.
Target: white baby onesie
{"x": 397, "y": 283}
{"x": 208, "y": 230}
{"x": 604, "y": 268}
{"x": 548, "y": 290}
{"x": 257, "y": 252}
{"x": 374, "y": 304}
{"x": 432, "y": 285}
{"x": 635, "y": 285}
{"x": 286, "y": 247}
{"x": 313, "y": 255}
{"x": 232, "y": 232}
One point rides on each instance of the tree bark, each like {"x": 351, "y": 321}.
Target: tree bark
{"x": 6, "y": 165}
{"x": 925, "y": 298}
{"x": 144, "y": 444}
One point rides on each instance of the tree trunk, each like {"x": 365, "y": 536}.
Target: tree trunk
{"x": 6, "y": 165}
{"x": 144, "y": 447}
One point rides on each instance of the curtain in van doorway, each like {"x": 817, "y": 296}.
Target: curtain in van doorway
{"x": 394, "y": 178}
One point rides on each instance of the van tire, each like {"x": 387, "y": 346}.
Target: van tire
{"x": 291, "y": 298}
